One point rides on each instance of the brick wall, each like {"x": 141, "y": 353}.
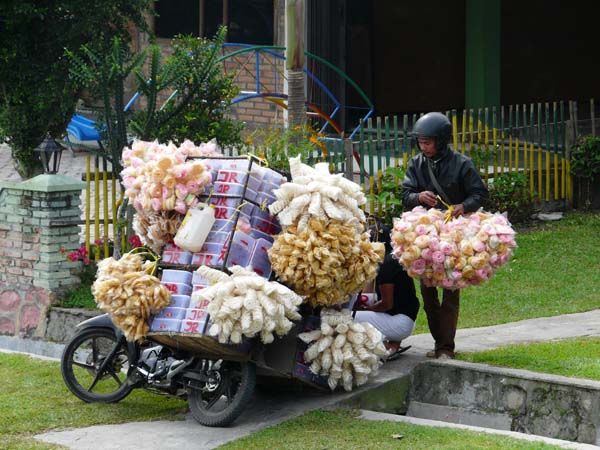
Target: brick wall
{"x": 254, "y": 113}
{"x": 34, "y": 227}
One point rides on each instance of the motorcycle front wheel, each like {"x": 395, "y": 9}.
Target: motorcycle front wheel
{"x": 95, "y": 364}
{"x": 219, "y": 401}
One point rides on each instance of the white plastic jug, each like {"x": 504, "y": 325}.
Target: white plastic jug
{"x": 195, "y": 227}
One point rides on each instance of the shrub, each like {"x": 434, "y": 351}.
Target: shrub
{"x": 585, "y": 166}
{"x": 388, "y": 195}
{"x": 38, "y": 96}
{"x": 204, "y": 92}
{"x": 510, "y": 192}
{"x": 277, "y": 145}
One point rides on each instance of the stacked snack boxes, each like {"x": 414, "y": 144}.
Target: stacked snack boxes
{"x": 187, "y": 310}
{"x": 196, "y": 317}
{"x": 243, "y": 231}
{"x": 242, "y": 234}
{"x": 179, "y": 284}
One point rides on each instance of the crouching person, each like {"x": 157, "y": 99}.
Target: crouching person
{"x": 396, "y": 306}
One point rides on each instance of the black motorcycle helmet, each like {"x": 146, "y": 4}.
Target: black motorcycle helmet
{"x": 434, "y": 125}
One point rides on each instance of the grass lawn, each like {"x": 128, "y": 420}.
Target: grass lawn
{"x": 570, "y": 357}
{"x": 37, "y": 400}
{"x": 342, "y": 430}
{"x": 555, "y": 270}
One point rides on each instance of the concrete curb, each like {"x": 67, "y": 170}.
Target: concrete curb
{"x": 34, "y": 348}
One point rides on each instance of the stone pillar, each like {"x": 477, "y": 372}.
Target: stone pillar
{"x": 38, "y": 219}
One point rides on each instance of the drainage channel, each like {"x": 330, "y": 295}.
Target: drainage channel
{"x": 495, "y": 398}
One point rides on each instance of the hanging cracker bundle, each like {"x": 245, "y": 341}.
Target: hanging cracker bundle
{"x": 454, "y": 253}
{"x": 325, "y": 261}
{"x": 344, "y": 351}
{"x": 246, "y": 304}
{"x": 158, "y": 177}
{"x": 125, "y": 289}
{"x": 156, "y": 229}
{"x": 316, "y": 193}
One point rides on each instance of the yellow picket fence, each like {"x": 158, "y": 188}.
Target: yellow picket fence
{"x": 526, "y": 139}
{"x": 103, "y": 196}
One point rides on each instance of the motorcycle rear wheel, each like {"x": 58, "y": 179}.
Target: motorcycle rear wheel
{"x": 95, "y": 364}
{"x": 219, "y": 402}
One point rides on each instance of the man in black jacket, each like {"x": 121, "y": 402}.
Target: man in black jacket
{"x": 438, "y": 170}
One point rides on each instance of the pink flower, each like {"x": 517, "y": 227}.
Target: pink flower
{"x": 482, "y": 274}
{"x": 136, "y": 162}
{"x": 99, "y": 242}
{"x": 427, "y": 254}
{"x": 488, "y": 229}
{"x": 166, "y": 192}
{"x": 156, "y": 204}
{"x": 500, "y": 219}
{"x": 438, "y": 257}
{"x": 418, "y": 266}
{"x": 127, "y": 153}
{"x": 474, "y": 218}
{"x": 180, "y": 206}
{"x": 401, "y": 226}
{"x": 181, "y": 190}
{"x": 420, "y": 229}
{"x": 457, "y": 275}
{"x": 128, "y": 181}
{"x": 438, "y": 268}
{"x": 447, "y": 283}
{"x": 446, "y": 248}
{"x": 193, "y": 186}
{"x": 478, "y": 246}
{"x": 434, "y": 244}
{"x": 135, "y": 241}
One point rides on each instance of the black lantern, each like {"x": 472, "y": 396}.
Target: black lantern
{"x": 50, "y": 152}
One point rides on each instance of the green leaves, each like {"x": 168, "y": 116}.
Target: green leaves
{"x": 585, "y": 158}
{"x": 37, "y": 94}
{"x": 510, "y": 192}
{"x": 388, "y": 195}
{"x": 202, "y": 92}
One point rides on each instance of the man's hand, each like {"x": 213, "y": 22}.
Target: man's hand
{"x": 458, "y": 210}
{"x": 428, "y": 198}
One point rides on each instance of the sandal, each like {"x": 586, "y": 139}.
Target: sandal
{"x": 394, "y": 356}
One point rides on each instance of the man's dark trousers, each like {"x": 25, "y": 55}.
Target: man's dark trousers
{"x": 441, "y": 317}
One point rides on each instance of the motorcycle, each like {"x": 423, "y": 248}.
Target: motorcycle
{"x": 99, "y": 365}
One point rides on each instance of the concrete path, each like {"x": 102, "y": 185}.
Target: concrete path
{"x": 542, "y": 329}
{"x": 274, "y": 407}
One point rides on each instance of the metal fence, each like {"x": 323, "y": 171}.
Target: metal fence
{"x": 532, "y": 139}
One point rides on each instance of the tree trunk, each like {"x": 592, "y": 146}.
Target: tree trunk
{"x": 295, "y": 63}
